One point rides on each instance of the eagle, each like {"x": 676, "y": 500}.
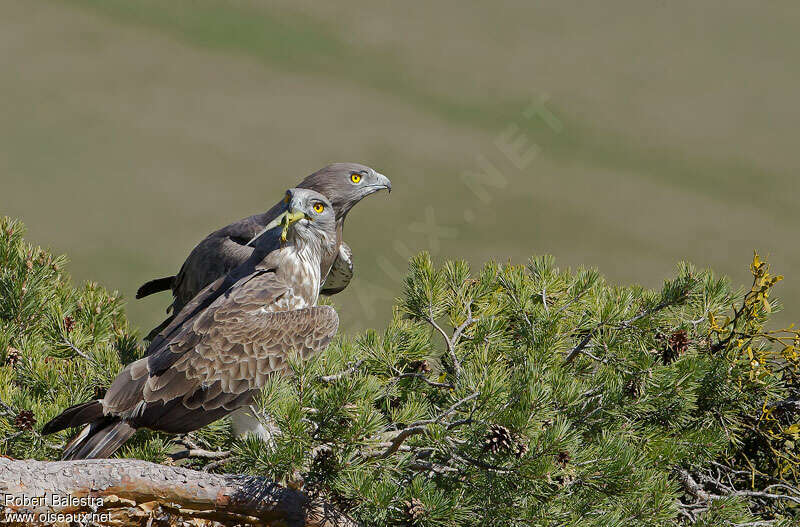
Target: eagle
{"x": 344, "y": 184}
{"x": 218, "y": 351}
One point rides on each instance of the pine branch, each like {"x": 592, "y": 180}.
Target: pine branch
{"x": 77, "y": 350}
{"x": 200, "y": 454}
{"x": 625, "y": 324}
{"x": 451, "y": 349}
{"x": 349, "y": 371}
{"x": 419, "y": 427}
{"x": 452, "y": 342}
{"x": 425, "y": 379}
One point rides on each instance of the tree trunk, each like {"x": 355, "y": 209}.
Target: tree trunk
{"x": 124, "y": 492}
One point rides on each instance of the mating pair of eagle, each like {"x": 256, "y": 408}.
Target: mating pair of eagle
{"x": 244, "y": 299}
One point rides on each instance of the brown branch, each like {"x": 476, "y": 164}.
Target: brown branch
{"x": 229, "y": 499}
{"x": 579, "y": 348}
{"x": 397, "y": 441}
{"x": 767, "y": 495}
{"x": 451, "y": 348}
{"x": 691, "y": 486}
{"x": 418, "y": 428}
{"x": 349, "y": 371}
{"x": 460, "y": 329}
{"x": 625, "y": 324}
{"x": 201, "y": 454}
{"x": 425, "y": 379}
{"x": 77, "y": 350}
{"x": 481, "y": 464}
{"x": 452, "y": 342}
{"x": 432, "y": 467}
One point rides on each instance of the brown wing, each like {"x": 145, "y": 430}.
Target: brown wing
{"x": 211, "y": 259}
{"x": 256, "y": 264}
{"x": 240, "y": 351}
{"x": 217, "y": 254}
{"x": 218, "y": 360}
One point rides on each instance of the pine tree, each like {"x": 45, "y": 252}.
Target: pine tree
{"x": 513, "y": 396}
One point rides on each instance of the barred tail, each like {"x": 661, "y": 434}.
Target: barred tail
{"x": 99, "y": 440}
{"x": 101, "y": 436}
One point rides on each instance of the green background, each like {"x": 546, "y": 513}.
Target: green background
{"x": 642, "y": 133}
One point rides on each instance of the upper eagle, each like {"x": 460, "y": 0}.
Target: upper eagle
{"x": 344, "y": 184}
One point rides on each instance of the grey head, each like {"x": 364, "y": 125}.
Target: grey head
{"x": 345, "y": 184}
{"x": 307, "y": 221}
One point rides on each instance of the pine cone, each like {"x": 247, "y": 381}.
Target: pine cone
{"x": 12, "y": 357}
{"x": 24, "y": 420}
{"x": 69, "y": 323}
{"x": 422, "y": 366}
{"x": 500, "y": 439}
{"x": 633, "y": 387}
{"x": 414, "y": 510}
{"x": 679, "y": 340}
{"x": 323, "y": 462}
{"x": 520, "y": 447}
{"x": 677, "y": 343}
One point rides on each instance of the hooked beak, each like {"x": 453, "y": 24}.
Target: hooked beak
{"x": 383, "y": 183}
{"x": 286, "y": 219}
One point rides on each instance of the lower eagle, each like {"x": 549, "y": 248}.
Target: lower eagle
{"x": 220, "y": 349}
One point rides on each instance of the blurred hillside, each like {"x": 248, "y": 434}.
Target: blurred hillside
{"x": 622, "y": 135}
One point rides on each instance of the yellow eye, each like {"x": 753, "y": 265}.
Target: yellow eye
{"x": 286, "y": 198}
{"x": 355, "y": 178}
{"x": 318, "y": 208}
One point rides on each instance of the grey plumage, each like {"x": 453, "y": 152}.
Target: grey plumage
{"x": 226, "y": 248}
{"x": 219, "y": 350}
